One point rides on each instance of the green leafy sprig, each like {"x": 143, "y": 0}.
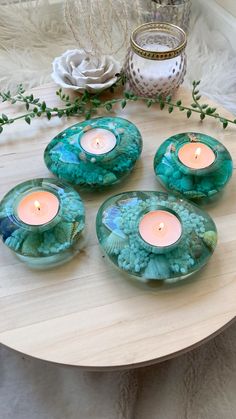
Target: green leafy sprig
{"x": 88, "y": 104}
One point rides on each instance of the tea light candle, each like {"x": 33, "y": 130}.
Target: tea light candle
{"x": 98, "y": 141}
{"x": 160, "y": 228}
{"x": 38, "y": 208}
{"x": 196, "y": 155}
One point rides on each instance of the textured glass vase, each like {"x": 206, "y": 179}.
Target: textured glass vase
{"x": 171, "y": 11}
{"x": 199, "y": 185}
{"x": 66, "y": 158}
{"x": 51, "y": 244}
{"x": 156, "y": 60}
{"x": 118, "y": 233}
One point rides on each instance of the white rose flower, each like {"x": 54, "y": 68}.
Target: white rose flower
{"x": 77, "y": 70}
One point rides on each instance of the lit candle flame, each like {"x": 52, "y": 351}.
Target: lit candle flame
{"x": 161, "y": 226}
{"x": 37, "y": 205}
{"x": 198, "y": 152}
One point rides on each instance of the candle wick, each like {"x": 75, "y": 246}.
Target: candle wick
{"x": 97, "y": 143}
{"x": 198, "y": 152}
{"x": 161, "y": 226}
{"x": 37, "y": 205}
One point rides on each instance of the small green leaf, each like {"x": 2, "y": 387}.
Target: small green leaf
{"x": 162, "y": 105}
{"x": 225, "y": 124}
{"x": 43, "y": 106}
{"x": 127, "y": 95}
{"x": 181, "y": 108}
{"x": 27, "y": 106}
{"x": 198, "y": 97}
{"x": 123, "y": 103}
{"x": 202, "y": 116}
{"x": 189, "y": 113}
{"x": 39, "y": 114}
{"x": 179, "y": 103}
{"x": 4, "y": 117}
{"x": 170, "y": 109}
{"x": 168, "y": 99}
{"x": 88, "y": 115}
{"x": 1, "y": 129}
{"x": 149, "y": 103}
{"x": 204, "y": 106}
{"x": 96, "y": 102}
{"x": 194, "y": 105}
{"x": 27, "y": 119}
{"x": 235, "y": 121}
{"x": 108, "y": 106}
{"x": 49, "y": 115}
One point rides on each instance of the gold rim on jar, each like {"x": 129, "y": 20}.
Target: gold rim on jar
{"x": 168, "y": 28}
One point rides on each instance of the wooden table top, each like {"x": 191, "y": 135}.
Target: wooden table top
{"x": 86, "y": 313}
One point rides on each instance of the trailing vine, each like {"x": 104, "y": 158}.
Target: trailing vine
{"x": 88, "y": 104}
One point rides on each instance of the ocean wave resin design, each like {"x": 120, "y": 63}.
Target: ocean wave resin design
{"x": 118, "y": 234}
{"x": 65, "y": 157}
{"x": 50, "y": 244}
{"x": 201, "y": 185}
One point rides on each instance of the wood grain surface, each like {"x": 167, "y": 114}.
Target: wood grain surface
{"x": 86, "y": 313}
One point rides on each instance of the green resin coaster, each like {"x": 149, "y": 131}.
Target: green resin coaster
{"x": 42, "y": 220}
{"x": 194, "y": 165}
{"x": 95, "y": 153}
{"x": 155, "y": 236}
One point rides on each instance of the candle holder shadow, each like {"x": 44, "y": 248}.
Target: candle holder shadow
{"x": 118, "y": 221}
{"x": 46, "y": 245}
{"x": 200, "y": 185}
{"x": 68, "y": 160}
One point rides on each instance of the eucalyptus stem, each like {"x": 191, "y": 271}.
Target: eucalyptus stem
{"x": 88, "y": 104}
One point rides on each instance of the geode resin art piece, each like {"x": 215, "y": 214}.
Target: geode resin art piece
{"x": 118, "y": 230}
{"x": 200, "y": 185}
{"x": 68, "y": 159}
{"x": 49, "y": 243}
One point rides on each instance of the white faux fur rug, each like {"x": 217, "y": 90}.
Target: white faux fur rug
{"x": 31, "y": 36}
{"x": 198, "y": 385}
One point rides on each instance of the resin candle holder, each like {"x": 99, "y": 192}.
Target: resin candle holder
{"x": 155, "y": 236}
{"x": 95, "y": 153}
{"x": 42, "y": 220}
{"x": 193, "y": 165}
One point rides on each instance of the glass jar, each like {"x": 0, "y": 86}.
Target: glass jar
{"x": 170, "y": 11}
{"x": 156, "y": 60}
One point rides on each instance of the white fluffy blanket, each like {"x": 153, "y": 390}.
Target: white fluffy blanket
{"x": 198, "y": 385}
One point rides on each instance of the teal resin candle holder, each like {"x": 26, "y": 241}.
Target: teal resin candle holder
{"x": 57, "y": 218}
{"x": 129, "y": 223}
{"x": 198, "y": 184}
{"x": 95, "y": 153}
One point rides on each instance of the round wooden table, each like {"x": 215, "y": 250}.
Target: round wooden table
{"x": 86, "y": 313}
